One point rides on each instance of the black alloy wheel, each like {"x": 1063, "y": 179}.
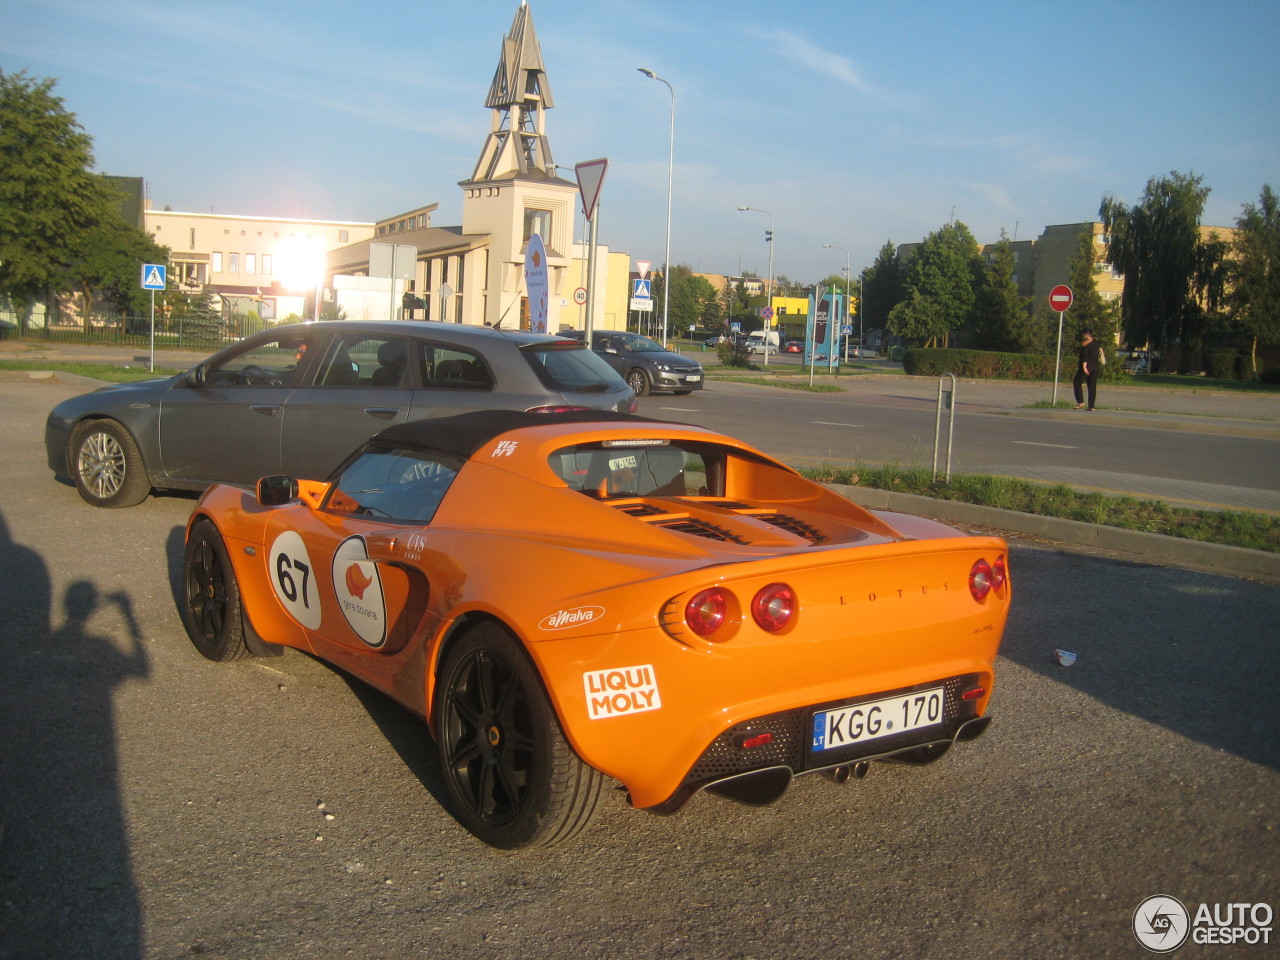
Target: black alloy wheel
{"x": 513, "y": 779}
{"x": 211, "y": 608}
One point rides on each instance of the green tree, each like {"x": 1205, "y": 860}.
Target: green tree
{"x": 1088, "y": 310}
{"x": 1254, "y": 271}
{"x": 48, "y": 196}
{"x": 1155, "y": 244}
{"x": 881, "y": 288}
{"x": 693, "y": 301}
{"x": 940, "y": 282}
{"x": 1002, "y": 320}
{"x": 60, "y": 224}
{"x": 106, "y": 263}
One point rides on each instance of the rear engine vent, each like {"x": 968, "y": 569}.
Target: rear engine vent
{"x": 792, "y": 525}
{"x": 639, "y": 509}
{"x": 698, "y": 528}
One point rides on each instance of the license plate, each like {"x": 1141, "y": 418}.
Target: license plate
{"x": 695, "y": 378}
{"x": 860, "y": 722}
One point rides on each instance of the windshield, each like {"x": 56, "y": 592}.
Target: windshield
{"x": 569, "y": 365}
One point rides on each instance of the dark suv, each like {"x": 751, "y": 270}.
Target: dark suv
{"x": 645, "y": 364}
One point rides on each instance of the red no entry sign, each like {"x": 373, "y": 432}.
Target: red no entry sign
{"x": 1060, "y": 297}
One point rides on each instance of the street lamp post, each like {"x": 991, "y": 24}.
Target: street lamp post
{"x": 768, "y": 320}
{"x": 848, "y": 278}
{"x": 671, "y": 166}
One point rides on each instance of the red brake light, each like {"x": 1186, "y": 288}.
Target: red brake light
{"x": 999, "y": 575}
{"x": 774, "y": 606}
{"x": 705, "y": 613}
{"x": 556, "y": 409}
{"x": 980, "y": 580}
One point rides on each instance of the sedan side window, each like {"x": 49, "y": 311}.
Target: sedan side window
{"x": 358, "y": 361}
{"x": 454, "y": 369}
{"x": 396, "y": 486}
{"x": 272, "y": 363}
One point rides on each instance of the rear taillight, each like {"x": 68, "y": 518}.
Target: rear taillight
{"x": 774, "y": 607}
{"x": 999, "y": 575}
{"x": 706, "y": 612}
{"x": 981, "y": 580}
{"x": 635, "y": 405}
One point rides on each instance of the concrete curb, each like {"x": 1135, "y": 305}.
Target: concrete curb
{"x": 1232, "y": 561}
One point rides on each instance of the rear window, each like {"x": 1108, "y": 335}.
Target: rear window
{"x": 570, "y": 366}
{"x": 643, "y": 469}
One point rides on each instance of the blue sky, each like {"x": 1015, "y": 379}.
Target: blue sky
{"x": 853, "y": 123}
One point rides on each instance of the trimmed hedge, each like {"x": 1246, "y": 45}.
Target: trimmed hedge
{"x": 990, "y": 365}
{"x": 978, "y": 364}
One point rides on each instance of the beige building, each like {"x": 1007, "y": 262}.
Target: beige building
{"x": 264, "y": 264}
{"x": 406, "y": 267}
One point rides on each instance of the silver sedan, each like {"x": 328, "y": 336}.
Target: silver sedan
{"x": 296, "y": 399}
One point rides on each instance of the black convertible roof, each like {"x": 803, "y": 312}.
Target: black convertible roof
{"x": 464, "y": 434}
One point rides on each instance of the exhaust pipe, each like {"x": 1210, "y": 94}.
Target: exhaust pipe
{"x": 844, "y": 772}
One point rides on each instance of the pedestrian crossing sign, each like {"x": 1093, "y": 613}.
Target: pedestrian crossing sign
{"x": 153, "y": 276}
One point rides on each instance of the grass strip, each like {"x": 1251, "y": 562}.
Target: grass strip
{"x": 97, "y": 371}
{"x": 1235, "y": 528}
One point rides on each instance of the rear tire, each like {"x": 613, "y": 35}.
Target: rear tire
{"x": 513, "y": 779}
{"x": 106, "y": 466}
{"x": 211, "y": 609}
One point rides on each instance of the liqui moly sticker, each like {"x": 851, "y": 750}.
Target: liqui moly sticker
{"x": 359, "y": 588}
{"x": 623, "y": 690}
{"x": 564, "y": 619}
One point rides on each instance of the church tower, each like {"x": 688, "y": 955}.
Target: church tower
{"x": 514, "y": 190}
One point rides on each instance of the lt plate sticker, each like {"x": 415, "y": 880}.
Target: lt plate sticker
{"x": 293, "y": 581}
{"x": 359, "y": 587}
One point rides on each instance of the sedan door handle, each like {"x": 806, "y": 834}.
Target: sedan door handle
{"x": 266, "y": 409}
{"x": 382, "y": 413}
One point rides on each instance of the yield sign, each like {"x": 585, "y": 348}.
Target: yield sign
{"x": 1060, "y": 297}
{"x": 590, "y": 175}
{"x": 642, "y": 267}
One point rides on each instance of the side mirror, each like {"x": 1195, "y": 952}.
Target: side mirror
{"x": 275, "y": 491}
{"x": 196, "y": 375}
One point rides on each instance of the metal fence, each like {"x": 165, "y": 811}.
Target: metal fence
{"x": 177, "y": 333}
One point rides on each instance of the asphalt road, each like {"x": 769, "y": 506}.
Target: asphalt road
{"x": 156, "y": 805}
{"x": 1209, "y": 449}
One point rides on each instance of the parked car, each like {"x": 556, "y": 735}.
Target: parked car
{"x": 297, "y": 398}
{"x": 645, "y": 364}
{"x": 577, "y": 598}
{"x": 793, "y": 346}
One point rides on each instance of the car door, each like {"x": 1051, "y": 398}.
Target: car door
{"x": 352, "y": 573}
{"x": 224, "y": 424}
{"x": 360, "y": 385}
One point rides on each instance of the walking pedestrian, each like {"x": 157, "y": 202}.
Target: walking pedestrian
{"x": 1087, "y": 370}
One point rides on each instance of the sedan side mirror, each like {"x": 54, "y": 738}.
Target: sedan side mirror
{"x": 196, "y": 376}
{"x": 275, "y": 491}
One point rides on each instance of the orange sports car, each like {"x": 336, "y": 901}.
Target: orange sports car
{"x": 573, "y": 598}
